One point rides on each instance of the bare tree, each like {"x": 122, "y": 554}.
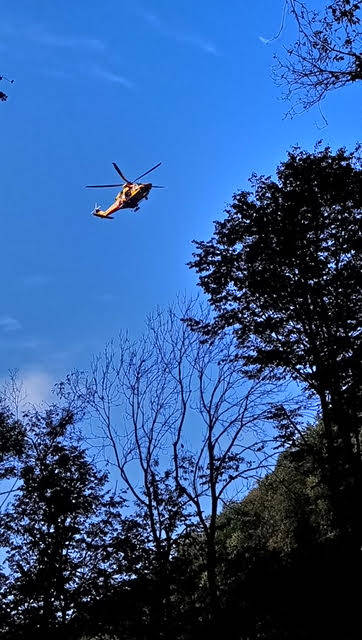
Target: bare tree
{"x": 326, "y": 55}
{"x": 230, "y": 450}
{"x": 3, "y": 96}
{"x": 183, "y": 428}
{"x": 136, "y": 396}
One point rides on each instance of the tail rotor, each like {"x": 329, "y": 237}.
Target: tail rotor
{"x": 96, "y": 209}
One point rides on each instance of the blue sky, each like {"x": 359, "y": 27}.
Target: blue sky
{"x": 183, "y": 82}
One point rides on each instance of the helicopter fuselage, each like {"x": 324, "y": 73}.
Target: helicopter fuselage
{"x": 132, "y": 194}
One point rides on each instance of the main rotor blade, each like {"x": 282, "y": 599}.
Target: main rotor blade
{"x": 146, "y": 172}
{"x": 157, "y": 186}
{"x": 120, "y": 173}
{"x": 101, "y": 186}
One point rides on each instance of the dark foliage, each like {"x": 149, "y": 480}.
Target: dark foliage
{"x": 12, "y": 442}
{"x": 57, "y": 534}
{"x": 79, "y": 569}
{"x": 285, "y": 573}
{"x": 283, "y": 270}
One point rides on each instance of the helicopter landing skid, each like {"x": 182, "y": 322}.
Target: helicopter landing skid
{"x": 99, "y": 215}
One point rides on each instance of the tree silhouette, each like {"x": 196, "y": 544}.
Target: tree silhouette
{"x": 327, "y": 54}
{"x": 283, "y": 270}
{"x": 57, "y": 534}
{"x": 3, "y": 96}
{"x": 147, "y": 399}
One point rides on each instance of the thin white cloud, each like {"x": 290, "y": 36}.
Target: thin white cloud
{"x": 106, "y": 297}
{"x": 281, "y": 28}
{"x": 204, "y": 45}
{"x": 43, "y": 36}
{"x": 194, "y": 40}
{"x": 75, "y": 42}
{"x": 37, "y": 387}
{"x": 8, "y": 324}
{"x": 29, "y": 344}
{"x": 36, "y": 280}
{"x": 23, "y": 388}
{"x": 57, "y": 73}
{"x": 110, "y": 76}
{"x": 153, "y": 20}
{"x": 81, "y": 71}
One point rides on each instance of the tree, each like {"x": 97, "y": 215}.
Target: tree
{"x": 230, "y": 453}
{"x": 133, "y": 398}
{"x": 57, "y": 534}
{"x": 283, "y": 270}
{"x": 184, "y": 429}
{"x": 3, "y": 96}
{"x": 12, "y": 438}
{"x": 279, "y": 548}
{"x": 326, "y": 56}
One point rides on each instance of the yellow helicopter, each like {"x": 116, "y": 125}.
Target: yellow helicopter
{"x": 129, "y": 197}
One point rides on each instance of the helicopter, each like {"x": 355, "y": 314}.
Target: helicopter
{"x": 130, "y": 195}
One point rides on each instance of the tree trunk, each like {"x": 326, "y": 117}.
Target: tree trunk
{"x": 211, "y": 570}
{"x": 343, "y": 469}
{"x": 159, "y": 609}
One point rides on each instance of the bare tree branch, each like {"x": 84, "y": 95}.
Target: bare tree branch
{"x": 326, "y": 55}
